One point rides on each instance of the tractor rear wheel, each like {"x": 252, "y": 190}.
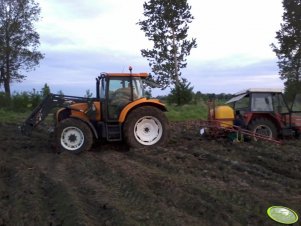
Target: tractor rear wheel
{"x": 74, "y": 135}
{"x": 264, "y": 127}
{"x": 146, "y": 126}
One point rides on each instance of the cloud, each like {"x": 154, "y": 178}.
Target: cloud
{"x": 80, "y": 39}
{"x": 224, "y": 77}
{"x": 107, "y": 25}
{"x": 74, "y": 72}
{"x": 75, "y": 9}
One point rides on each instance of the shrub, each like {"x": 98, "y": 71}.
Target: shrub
{"x": 20, "y": 102}
{"x": 4, "y": 100}
{"x": 181, "y": 94}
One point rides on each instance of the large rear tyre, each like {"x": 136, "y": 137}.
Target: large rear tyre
{"x": 146, "y": 126}
{"x": 74, "y": 136}
{"x": 264, "y": 127}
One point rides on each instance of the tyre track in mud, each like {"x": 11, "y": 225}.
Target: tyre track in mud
{"x": 28, "y": 195}
{"x": 189, "y": 182}
{"x": 205, "y": 190}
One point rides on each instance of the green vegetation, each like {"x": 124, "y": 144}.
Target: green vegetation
{"x": 165, "y": 23}
{"x": 175, "y": 113}
{"x": 186, "y": 112}
{"x": 288, "y": 49}
{"x": 19, "y": 40}
{"x": 18, "y": 106}
{"x": 20, "y": 102}
{"x": 181, "y": 94}
{"x": 9, "y": 116}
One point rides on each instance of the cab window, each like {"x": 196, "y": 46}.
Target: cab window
{"x": 137, "y": 88}
{"x": 279, "y": 104}
{"x": 120, "y": 94}
{"x": 243, "y": 104}
{"x": 297, "y": 103}
{"x": 261, "y": 102}
{"x": 102, "y": 89}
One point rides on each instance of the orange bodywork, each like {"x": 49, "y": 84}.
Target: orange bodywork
{"x": 142, "y": 75}
{"x": 79, "y": 110}
{"x": 142, "y": 101}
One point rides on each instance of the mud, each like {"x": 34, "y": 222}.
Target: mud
{"x": 192, "y": 181}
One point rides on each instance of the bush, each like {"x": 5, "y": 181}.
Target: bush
{"x": 181, "y": 94}
{"x": 20, "y": 102}
{"x": 4, "y": 100}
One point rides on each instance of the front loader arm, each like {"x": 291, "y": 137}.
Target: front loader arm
{"x": 44, "y": 108}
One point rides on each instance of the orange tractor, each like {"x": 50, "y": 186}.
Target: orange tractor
{"x": 120, "y": 111}
{"x": 259, "y": 113}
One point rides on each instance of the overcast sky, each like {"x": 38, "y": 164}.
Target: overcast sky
{"x": 80, "y": 39}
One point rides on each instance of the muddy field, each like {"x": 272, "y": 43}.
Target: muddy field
{"x": 189, "y": 182}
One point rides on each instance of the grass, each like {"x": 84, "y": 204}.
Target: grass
{"x": 8, "y": 116}
{"x": 186, "y": 112}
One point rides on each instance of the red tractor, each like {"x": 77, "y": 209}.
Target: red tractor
{"x": 266, "y": 112}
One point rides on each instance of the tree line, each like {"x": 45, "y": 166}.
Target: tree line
{"x": 28, "y": 100}
{"x": 24, "y": 101}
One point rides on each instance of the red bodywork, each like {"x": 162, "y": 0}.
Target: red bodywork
{"x": 280, "y": 120}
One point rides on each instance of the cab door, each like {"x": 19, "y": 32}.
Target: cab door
{"x": 119, "y": 95}
{"x": 281, "y": 110}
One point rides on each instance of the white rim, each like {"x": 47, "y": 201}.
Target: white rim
{"x": 148, "y": 130}
{"x": 72, "y": 138}
{"x": 263, "y": 130}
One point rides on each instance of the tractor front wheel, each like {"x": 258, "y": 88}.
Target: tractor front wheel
{"x": 265, "y": 127}
{"x": 146, "y": 126}
{"x": 74, "y": 136}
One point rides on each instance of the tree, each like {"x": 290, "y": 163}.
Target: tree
{"x": 288, "y": 50}
{"x": 18, "y": 40}
{"x": 181, "y": 94}
{"x": 45, "y": 90}
{"x": 60, "y": 93}
{"x": 88, "y": 94}
{"x": 166, "y": 25}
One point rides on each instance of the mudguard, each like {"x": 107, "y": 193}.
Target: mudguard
{"x": 138, "y": 103}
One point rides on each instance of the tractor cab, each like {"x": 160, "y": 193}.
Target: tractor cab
{"x": 266, "y": 111}
{"x": 259, "y": 100}
{"x": 116, "y": 90}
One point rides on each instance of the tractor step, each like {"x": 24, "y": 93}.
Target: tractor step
{"x": 113, "y": 132}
